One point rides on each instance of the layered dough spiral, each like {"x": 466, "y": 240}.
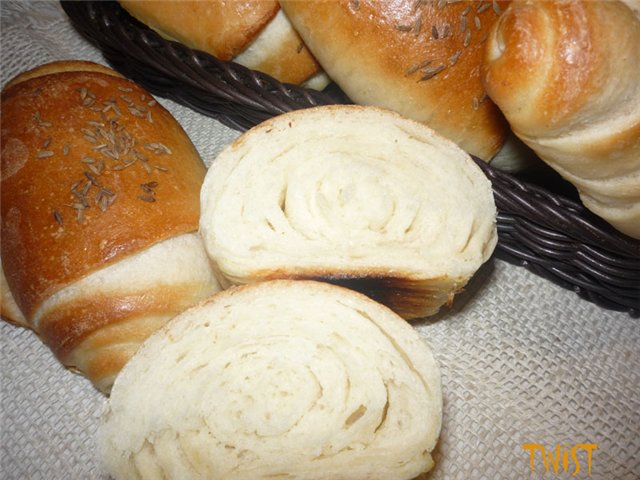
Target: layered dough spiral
{"x": 281, "y": 379}
{"x": 354, "y": 195}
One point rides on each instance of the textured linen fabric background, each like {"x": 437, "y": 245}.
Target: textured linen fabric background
{"x": 522, "y": 360}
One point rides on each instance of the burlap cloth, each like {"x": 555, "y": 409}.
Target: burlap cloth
{"x": 523, "y": 361}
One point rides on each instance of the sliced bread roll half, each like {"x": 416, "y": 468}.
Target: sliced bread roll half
{"x": 354, "y": 195}
{"x": 281, "y": 379}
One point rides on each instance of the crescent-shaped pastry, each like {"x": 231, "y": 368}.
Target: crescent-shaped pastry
{"x": 567, "y": 77}
{"x": 355, "y": 195}
{"x": 419, "y": 58}
{"x": 100, "y": 208}
{"x": 255, "y": 34}
{"x": 281, "y": 379}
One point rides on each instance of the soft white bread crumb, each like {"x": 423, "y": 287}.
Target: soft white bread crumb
{"x": 280, "y": 379}
{"x": 350, "y": 192}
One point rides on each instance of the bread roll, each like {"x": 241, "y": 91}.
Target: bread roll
{"x": 354, "y": 195}
{"x": 421, "y": 59}
{"x": 566, "y": 75}
{"x": 281, "y": 379}
{"x": 100, "y": 212}
{"x": 255, "y": 34}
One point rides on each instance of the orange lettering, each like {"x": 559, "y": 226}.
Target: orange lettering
{"x": 532, "y": 447}
{"x": 574, "y": 457}
{"x": 565, "y": 459}
{"x": 561, "y": 455}
{"x": 589, "y": 447}
{"x": 555, "y": 460}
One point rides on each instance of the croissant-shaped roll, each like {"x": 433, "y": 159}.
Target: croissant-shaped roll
{"x": 354, "y": 195}
{"x": 100, "y": 213}
{"x": 419, "y": 58}
{"x": 280, "y": 379}
{"x": 255, "y": 34}
{"x": 567, "y": 77}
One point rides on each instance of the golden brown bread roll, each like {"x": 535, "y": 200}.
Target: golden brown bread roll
{"x": 253, "y": 33}
{"x": 421, "y": 59}
{"x": 567, "y": 77}
{"x": 99, "y": 214}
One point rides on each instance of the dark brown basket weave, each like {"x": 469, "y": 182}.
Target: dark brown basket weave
{"x": 548, "y": 233}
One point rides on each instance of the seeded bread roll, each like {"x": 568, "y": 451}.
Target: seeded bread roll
{"x": 354, "y": 195}
{"x": 255, "y": 34}
{"x": 100, "y": 209}
{"x": 421, "y": 59}
{"x": 281, "y": 379}
{"x": 566, "y": 75}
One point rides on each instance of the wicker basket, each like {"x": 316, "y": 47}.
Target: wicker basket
{"x": 549, "y": 233}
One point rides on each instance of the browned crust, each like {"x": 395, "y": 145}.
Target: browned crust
{"x": 408, "y": 296}
{"x": 9, "y": 311}
{"x": 418, "y": 58}
{"x": 291, "y": 62}
{"x": 52, "y": 127}
{"x": 223, "y": 29}
{"x": 96, "y": 336}
{"x": 551, "y": 62}
{"x": 411, "y": 299}
{"x": 105, "y": 320}
{"x": 61, "y": 66}
{"x": 103, "y": 366}
{"x": 11, "y": 316}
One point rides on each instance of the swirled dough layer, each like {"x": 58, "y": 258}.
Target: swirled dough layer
{"x": 355, "y": 195}
{"x": 281, "y": 379}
